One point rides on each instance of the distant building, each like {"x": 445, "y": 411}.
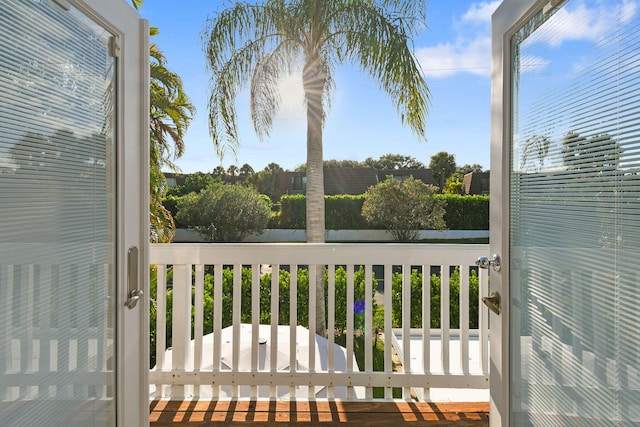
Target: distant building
{"x": 476, "y": 183}
{"x": 343, "y": 180}
{"x": 337, "y": 180}
{"x": 174, "y": 179}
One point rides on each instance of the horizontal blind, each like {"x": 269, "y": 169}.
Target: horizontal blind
{"x": 575, "y": 216}
{"x": 57, "y": 228}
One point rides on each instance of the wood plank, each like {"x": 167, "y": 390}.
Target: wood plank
{"x": 177, "y": 413}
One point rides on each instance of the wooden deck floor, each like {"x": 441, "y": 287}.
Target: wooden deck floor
{"x": 164, "y": 413}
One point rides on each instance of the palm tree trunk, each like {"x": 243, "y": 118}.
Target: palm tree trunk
{"x": 313, "y": 82}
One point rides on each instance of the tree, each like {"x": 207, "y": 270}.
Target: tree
{"x": 170, "y": 115}
{"x": 443, "y": 166}
{"x": 273, "y": 167}
{"x": 393, "y": 162}
{"x": 246, "y": 170}
{"x": 265, "y": 42}
{"x": 403, "y": 208}
{"x": 224, "y": 212}
{"x": 219, "y": 171}
{"x": 453, "y": 184}
{"x": 342, "y": 164}
{"x": 467, "y": 168}
{"x": 232, "y": 170}
{"x": 265, "y": 181}
{"x": 600, "y": 152}
{"x": 534, "y": 152}
{"x": 193, "y": 183}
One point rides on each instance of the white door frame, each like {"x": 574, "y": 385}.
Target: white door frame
{"x": 506, "y": 20}
{"x": 132, "y": 116}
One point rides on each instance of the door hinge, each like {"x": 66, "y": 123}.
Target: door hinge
{"x": 114, "y": 47}
{"x": 550, "y": 6}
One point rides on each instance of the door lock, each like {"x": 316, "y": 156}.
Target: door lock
{"x": 493, "y": 302}
{"x": 132, "y": 278}
{"x": 484, "y": 262}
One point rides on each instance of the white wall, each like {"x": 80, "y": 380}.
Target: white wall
{"x": 285, "y": 235}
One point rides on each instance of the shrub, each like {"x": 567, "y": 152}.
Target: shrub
{"x": 293, "y": 211}
{"x": 435, "y": 281}
{"x": 466, "y": 212}
{"x": 403, "y": 208}
{"x": 284, "y": 283}
{"x": 344, "y": 212}
{"x": 224, "y": 212}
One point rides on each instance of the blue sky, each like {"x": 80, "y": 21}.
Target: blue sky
{"x": 454, "y": 52}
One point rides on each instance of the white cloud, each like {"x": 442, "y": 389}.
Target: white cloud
{"x": 471, "y": 50}
{"x": 447, "y": 59}
{"x": 580, "y": 22}
{"x": 530, "y": 63}
{"x": 481, "y": 12}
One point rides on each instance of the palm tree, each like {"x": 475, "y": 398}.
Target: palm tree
{"x": 262, "y": 43}
{"x": 170, "y": 115}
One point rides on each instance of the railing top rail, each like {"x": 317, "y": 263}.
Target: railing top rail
{"x": 317, "y": 253}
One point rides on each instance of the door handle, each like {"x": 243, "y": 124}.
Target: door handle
{"x": 132, "y": 278}
{"x": 484, "y": 262}
{"x": 493, "y": 302}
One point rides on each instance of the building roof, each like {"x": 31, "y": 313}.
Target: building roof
{"x": 476, "y": 183}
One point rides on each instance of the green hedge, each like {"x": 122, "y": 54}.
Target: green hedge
{"x": 343, "y": 212}
{"x": 466, "y": 212}
{"x": 416, "y": 299}
{"x": 284, "y": 289}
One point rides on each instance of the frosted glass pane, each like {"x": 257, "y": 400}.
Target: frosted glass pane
{"x": 57, "y": 204}
{"x": 575, "y": 216}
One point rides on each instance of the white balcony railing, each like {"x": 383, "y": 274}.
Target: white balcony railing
{"x": 237, "y": 356}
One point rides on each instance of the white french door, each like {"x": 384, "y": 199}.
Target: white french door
{"x": 565, "y": 207}
{"x": 73, "y": 204}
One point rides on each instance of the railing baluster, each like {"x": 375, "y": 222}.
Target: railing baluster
{"x": 406, "y": 326}
{"x": 161, "y": 323}
{"x": 82, "y": 320}
{"x": 313, "y": 271}
{"x": 45, "y": 293}
{"x": 275, "y": 297}
{"x": 368, "y": 329}
{"x": 63, "y": 338}
{"x": 237, "y": 307}
{"x": 388, "y": 331}
{"x": 6, "y": 286}
{"x": 255, "y": 323}
{"x": 198, "y": 322}
{"x": 483, "y": 320}
{"x": 293, "y": 324}
{"x": 445, "y": 303}
{"x": 277, "y": 382}
{"x": 32, "y": 330}
{"x": 426, "y": 326}
{"x": 464, "y": 318}
{"x": 217, "y": 324}
{"x": 331, "y": 323}
{"x": 181, "y": 326}
{"x": 350, "y": 327}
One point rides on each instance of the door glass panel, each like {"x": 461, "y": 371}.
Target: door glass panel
{"x": 575, "y": 223}
{"x": 57, "y": 233}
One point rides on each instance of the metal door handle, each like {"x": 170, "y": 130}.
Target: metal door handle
{"x": 484, "y": 262}
{"x": 134, "y": 296}
{"x": 493, "y": 302}
{"x": 132, "y": 278}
